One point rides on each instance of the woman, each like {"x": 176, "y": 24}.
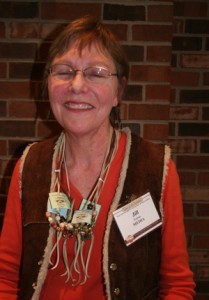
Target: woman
{"x": 101, "y": 209}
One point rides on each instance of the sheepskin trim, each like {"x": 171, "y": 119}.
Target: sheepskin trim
{"x": 113, "y": 208}
{"x": 22, "y": 161}
{"x": 167, "y": 156}
{"x": 45, "y": 262}
{"x": 44, "y": 266}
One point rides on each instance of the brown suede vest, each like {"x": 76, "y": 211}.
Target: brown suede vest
{"x": 136, "y": 276}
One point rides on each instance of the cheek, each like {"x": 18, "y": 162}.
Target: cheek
{"x": 110, "y": 94}
{"x": 54, "y": 91}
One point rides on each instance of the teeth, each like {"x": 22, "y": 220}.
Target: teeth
{"x": 78, "y": 105}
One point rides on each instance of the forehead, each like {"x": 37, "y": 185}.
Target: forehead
{"x": 92, "y": 51}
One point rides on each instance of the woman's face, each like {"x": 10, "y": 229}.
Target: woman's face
{"x": 81, "y": 106}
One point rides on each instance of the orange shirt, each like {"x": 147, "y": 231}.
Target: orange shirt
{"x": 176, "y": 279}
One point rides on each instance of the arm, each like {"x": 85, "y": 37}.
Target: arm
{"x": 11, "y": 241}
{"x": 176, "y": 281}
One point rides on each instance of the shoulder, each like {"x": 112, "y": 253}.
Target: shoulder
{"x": 149, "y": 151}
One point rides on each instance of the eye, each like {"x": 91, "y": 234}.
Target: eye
{"x": 96, "y": 73}
{"x": 62, "y": 72}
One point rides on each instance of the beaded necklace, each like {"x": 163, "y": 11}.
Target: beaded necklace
{"x": 69, "y": 223}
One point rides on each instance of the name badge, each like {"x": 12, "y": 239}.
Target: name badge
{"x": 84, "y": 215}
{"x": 58, "y": 202}
{"x": 137, "y": 218}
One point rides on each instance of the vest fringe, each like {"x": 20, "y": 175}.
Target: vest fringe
{"x": 112, "y": 209}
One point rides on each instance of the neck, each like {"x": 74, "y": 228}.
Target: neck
{"x": 86, "y": 150}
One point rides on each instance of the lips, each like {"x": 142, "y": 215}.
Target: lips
{"x": 78, "y": 106}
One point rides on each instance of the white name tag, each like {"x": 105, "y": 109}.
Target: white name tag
{"x": 137, "y": 218}
{"x": 59, "y": 200}
{"x": 82, "y": 216}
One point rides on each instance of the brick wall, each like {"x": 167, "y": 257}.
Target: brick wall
{"x": 163, "y": 103}
{"x": 189, "y": 128}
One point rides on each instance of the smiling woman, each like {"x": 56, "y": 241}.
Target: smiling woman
{"x": 74, "y": 199}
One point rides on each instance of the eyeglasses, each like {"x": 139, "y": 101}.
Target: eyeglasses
{"x": 65, "y": 72}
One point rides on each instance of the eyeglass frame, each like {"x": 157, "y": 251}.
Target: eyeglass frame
{"x": 75, "y": 71}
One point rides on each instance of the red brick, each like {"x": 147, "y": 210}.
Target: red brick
{"x": 194, "y": 96}
{"x": 148, "y": 112}
{"x": 178, "y": 26}
{"x": 195, "y": 61}
{"x": 184, "y": 113}
{"x": 19, "y": 10}
{"x": 196, "y": 26}
{"x": 158, "y": 53}
{"x": 22, "y": 109}
{"x": 203, "y": 178}
{"x": 157, "y": 92}
{"x": 173, "y": 95}
{"x": 29, "y": 109}
{"x": 2, "y": 30}
{"x": 15, "y": 89}
{"x": 3, "y": 147}
{"x": 187, "y": 43}
{"x": 202, "y": 272}
{"x": 183, "y": 78}
{"x": 133, "y": 93}
{"x": 150, "y": 73}
{"x": 206, "y": 78}
{"x": 134, "y": 53}
{"x": 123, "y": 12}
{"x": 6, "y": 168}
{"x": 3, "y": 70}
{"x": 161, "y": 13}
{"x": 43, "y": 53}
{"x": 18, "y": 50}
{"x": 5, "y": 182}
{"x": 17, "y": 128}
{"x": 202, "y": 209}
{"x": 199, "y": 257}
{"x": 190, "y": 8}
{"x": 192, "y": 162}
{"x": 23, "y": 30}
{"x": 197, "y": 226}
{"x": 49, "y": 31}
{"x": 3, "y": 109}
{"x": 183, "y": 145}
{"x": 160, "y": 33}
{"x": 155, "y": 131}
{"x": 200, "y": 296}
{"x": 187, "y": 178}
{"x": 201, "y": 241}
{"x": 193, "y": 129}
{"x": 16, "y": 147}
{"x": 69, "y": 11}
{"x": 120, "y": 30}
{"x": 24, "y": 70}
{"x": 188, "y": 210}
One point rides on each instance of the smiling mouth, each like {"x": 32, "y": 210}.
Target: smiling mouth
{"x": 78, "y": 106}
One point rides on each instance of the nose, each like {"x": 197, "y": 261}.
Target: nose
{"x": 78, "y": 83}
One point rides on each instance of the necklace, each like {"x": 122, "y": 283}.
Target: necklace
{"x": 69, "y": 223}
